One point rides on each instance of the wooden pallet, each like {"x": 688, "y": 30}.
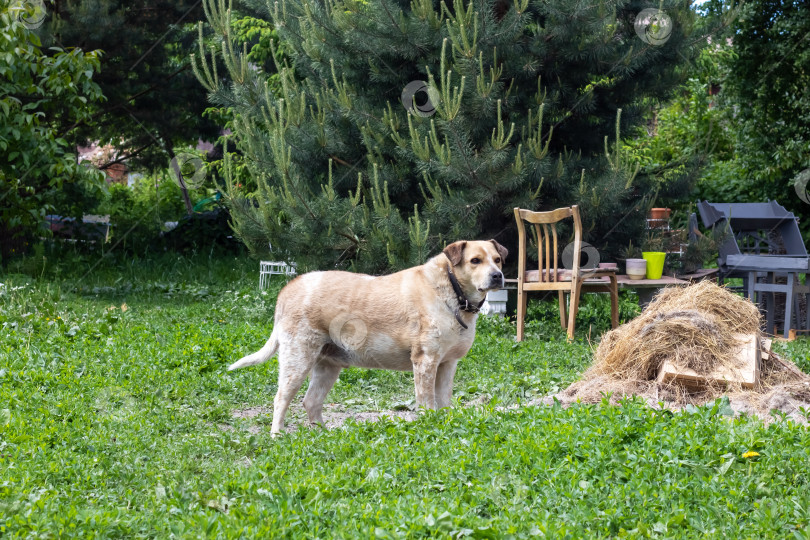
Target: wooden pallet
{"x": 747, "y": 375}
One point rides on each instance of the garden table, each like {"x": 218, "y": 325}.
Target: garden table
{"x": 647, "y": 288}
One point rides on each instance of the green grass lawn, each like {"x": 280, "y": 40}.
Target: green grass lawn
{"x": 116, "y": 420}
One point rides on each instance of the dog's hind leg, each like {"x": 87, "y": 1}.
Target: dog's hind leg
{"x": 294, "y": 362}
{"x": 321, "y": 380}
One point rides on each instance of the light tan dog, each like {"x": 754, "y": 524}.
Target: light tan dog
{"x": 421, "y": 319}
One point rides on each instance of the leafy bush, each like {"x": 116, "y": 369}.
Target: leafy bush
{"x": 41, "y": 96}
{"x": 203, "y": 231}
{"x": 593, "y": 314}
{"x": 138, "y": 213}
{"x": 139, "y": 216}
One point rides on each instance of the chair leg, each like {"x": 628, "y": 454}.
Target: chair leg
{"x": 563, "y": 313}
{"x": 521, "y": 313}
{"x": 573, "y": 308}
{"x": 614, "y": 302}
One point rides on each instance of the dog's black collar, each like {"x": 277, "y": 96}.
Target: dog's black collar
{"x": 463, "y": 303}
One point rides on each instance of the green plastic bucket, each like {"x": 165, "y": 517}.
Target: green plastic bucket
{"x": 655, "y": 263}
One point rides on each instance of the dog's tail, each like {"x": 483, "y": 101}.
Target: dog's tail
{"x": 262, "y": 355}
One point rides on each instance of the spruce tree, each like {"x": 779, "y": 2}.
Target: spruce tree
{"x": 395, "y": 127}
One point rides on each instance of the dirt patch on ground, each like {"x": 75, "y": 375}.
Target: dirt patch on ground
{"x": 252, "y": 412}
{"x": 334, "y": 416}
{"x": 786, "y": 400}
{"x": 334, "y": 420}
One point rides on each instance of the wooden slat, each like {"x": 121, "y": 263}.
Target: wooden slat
{"x": 766, "y": 348}
{"x": 626, "y": 283}
{"x": 564, "y": 274}
{"x": 554, "y": 231}
{"x": 577, "y": 242}
{"x": 747, "y": 374}
{"x": 552, "y": 216}
{"x": 548, "y": 254}
{"x": 539, "y": 245}
{"x": 699, "y": 275}
{"x": 548, "y": 286}
{"x": 521, "y": 293}
{"x": 534, "y": 276}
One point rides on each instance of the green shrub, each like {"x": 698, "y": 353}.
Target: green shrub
{"x": 139, "y": 215}
{"x": 593, "y": 314}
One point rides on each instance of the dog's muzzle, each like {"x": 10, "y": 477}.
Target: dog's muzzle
{"x": 496, "y": 280}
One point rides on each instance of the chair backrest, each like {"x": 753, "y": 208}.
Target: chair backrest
{"x": 547, "y": 248}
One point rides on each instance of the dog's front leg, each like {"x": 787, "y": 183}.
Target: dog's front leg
{"x": 444, "y": 383}
{"x": 424, "y": 379}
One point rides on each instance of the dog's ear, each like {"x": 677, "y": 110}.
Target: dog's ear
{"x": 455, "y": 252}
{"x": 502, "y": 251}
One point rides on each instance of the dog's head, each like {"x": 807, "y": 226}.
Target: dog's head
{"x": 477, "y": 264}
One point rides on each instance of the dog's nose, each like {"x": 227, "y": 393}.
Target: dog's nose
{"x": 496, "y": 277}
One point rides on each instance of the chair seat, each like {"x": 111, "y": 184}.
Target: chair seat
{"x": 533, "y": 276}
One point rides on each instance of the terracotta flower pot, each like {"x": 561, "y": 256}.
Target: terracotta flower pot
{"x": 658, "y": 218}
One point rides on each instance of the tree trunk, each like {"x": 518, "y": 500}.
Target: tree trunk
{"x": 180, "y": 179}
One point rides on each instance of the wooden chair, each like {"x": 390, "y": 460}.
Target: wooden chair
{"x": 549, "y": 277}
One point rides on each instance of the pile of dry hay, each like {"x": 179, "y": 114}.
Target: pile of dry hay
{"x": 695, "y": 327}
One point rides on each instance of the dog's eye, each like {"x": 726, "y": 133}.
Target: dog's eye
{"x": 497, "y": 260}
{"x": 475, "y": 261}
